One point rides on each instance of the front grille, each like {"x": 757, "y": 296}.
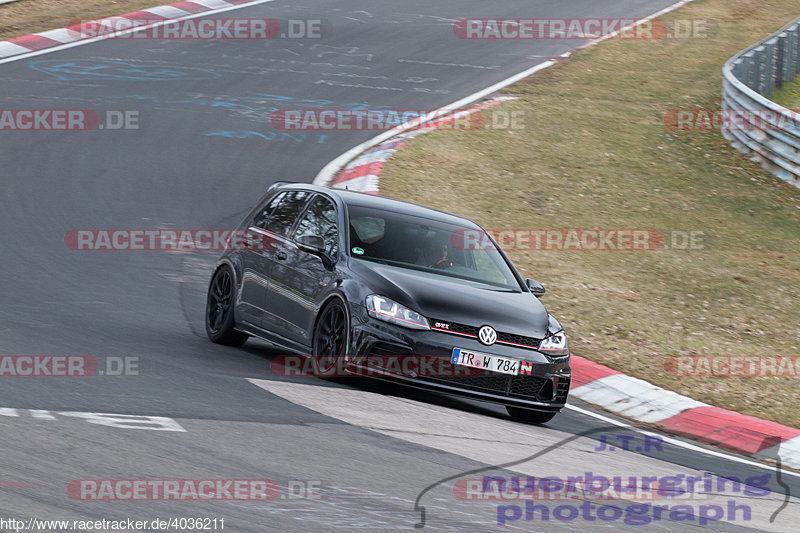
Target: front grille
{"x": 562, "y": 390}
{"x": 486, "y": 381}
{"x": 472, "y": 331}
{"x": 518, "y": 339}
{"x": 458, "y": 328}
{"x": 385, "y": 349}
{"x": 525, "y": 387}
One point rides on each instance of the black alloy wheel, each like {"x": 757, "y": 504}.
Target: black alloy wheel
{"x": 219, "y": 310}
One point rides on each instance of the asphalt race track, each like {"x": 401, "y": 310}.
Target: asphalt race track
{"x": 347, "y": 456}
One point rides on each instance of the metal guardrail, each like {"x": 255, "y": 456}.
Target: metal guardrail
{"x": 772, "y": 136}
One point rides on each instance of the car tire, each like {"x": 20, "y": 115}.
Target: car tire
{"x": 330, "y": 340}
{"x": 529, "y": 416}
{"x": 219, "y": 310}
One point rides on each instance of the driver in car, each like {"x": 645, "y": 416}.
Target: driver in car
{"x": 436, "y": 255}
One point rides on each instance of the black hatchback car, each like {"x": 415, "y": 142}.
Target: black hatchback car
{"x": 347, "y": 276}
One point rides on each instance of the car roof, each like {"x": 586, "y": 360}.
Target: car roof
{"x": 382, "y": 203}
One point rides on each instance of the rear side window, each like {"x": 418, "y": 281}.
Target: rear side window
{"x": 262, "y": 217}
{"x": 280, "y": 213}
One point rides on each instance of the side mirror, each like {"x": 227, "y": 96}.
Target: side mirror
{"x": 535, "y": 287}
{"x": 312, "y": 244}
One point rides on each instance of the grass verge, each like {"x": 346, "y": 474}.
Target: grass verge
{"x": 595, "y": 153}
{"x": 789, "y": 95}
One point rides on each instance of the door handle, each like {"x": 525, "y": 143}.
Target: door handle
{"x": 280, "y": 256}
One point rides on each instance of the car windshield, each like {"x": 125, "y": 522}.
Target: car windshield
{"x": 433, "y": 246}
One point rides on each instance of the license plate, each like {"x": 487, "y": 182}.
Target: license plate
{"x": 504, "y": 365}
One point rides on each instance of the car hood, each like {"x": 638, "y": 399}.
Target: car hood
{"x": 454, "y": 300}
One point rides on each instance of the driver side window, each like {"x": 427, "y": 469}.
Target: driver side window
{"x": 320, "y": 220}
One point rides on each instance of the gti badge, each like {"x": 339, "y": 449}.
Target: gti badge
{"x": 487, "y": 335}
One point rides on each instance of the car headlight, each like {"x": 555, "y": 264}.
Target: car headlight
{"x": 391, "y": 311}
{"x": 555, "y": 344}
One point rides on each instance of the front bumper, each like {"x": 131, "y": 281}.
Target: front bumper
{"x": 545, "y": 389}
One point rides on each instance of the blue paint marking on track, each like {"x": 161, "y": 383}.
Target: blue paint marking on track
{"x": 85, "y": 69}
{"x": 268, "y": 136}
{"x": 264, "y": 103}
{"x": 239, "y": 134}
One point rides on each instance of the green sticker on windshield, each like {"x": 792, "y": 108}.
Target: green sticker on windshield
{"x": 358, "y": 251}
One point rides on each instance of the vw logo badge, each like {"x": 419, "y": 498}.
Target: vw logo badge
{"x": 487, "y": 335}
